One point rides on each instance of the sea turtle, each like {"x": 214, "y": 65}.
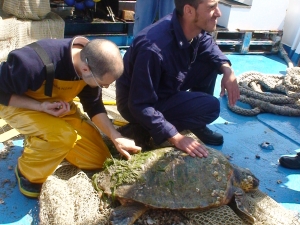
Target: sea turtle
{"x": 168, "y": 178}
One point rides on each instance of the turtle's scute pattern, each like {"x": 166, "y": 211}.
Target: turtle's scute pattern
{"x": 171, "y": 179}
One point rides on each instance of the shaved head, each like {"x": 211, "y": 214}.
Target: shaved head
{"x": 103, "y": 57}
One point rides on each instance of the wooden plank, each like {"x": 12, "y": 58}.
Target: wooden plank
{"x": 246, "y": 42}
{"x": 8, "y": 135}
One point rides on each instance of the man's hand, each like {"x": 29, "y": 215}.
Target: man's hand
{"x": 57, "y": 109}
{"x": 126, "y": 146}
{"x": 229, "y": 83}
{"x": 189, "y": 145}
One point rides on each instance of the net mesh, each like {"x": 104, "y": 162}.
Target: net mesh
{"x": 16, "y": 33}
{"x": 27, "y": 9}
{"x": 68, "y": 197}
{"x": 267, "y": 211}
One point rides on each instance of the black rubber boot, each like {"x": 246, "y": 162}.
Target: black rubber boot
{"x": 208, "y": 137}
{"x": 291, "y": 162}
{"x": 27, "y": 188}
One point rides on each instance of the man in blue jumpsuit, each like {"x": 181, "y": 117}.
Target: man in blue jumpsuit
{"x": 169, "y": 77}
{"x": 53, "y": 126}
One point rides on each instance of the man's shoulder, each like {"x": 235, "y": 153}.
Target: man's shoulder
{"x": 28, "y": 56}
{"x": 54, "y": 43}
{"x": 158, "y": 36}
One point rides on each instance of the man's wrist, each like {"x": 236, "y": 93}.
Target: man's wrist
{"x": 174, "y": 139}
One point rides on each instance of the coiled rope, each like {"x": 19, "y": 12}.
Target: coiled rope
{"x": 278, "y": 94}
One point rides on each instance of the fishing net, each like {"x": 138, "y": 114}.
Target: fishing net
{"x": 16, "y": 33}
{"x": 27, "y": 9}
{"x": 68, "y": 197}
{"x": 265, "y": 210}
{"x": 74, "y": 202}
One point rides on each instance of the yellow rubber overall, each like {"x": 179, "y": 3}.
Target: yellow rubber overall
{"x": 51, "y": 139}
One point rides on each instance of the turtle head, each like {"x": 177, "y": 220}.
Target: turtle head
{"x": 245, "y": 179}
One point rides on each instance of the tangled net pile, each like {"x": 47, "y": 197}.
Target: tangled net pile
{"x": 68, "y": 197}
{"x": 278, "y": 94}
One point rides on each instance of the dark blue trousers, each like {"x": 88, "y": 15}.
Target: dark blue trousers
{"x": 192, "y": 109}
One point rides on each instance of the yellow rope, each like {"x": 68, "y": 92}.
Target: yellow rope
{"x": 105, "y": 102}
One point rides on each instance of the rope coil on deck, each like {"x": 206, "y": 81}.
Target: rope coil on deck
{"x": 278, "y": 94}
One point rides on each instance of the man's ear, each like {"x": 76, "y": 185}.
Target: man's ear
{"x": 188, "y": 11}
{"x": 84, "y": 67}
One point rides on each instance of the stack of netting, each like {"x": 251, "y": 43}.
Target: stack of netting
{"x": 68, "y": 197}
{"x": 25, "y": 21}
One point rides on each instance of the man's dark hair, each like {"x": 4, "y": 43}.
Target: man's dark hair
{"x": 103, "y": 57}
{"x": 179, "y": 4}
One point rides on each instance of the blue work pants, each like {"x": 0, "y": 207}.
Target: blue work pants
{"x": 186, "y": 110}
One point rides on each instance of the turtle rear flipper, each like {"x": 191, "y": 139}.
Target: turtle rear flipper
{"x": 241, "y": 206}
{"x": 127, "y": 214}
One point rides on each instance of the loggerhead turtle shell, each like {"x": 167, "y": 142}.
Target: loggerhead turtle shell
{"x": 171, "y": 179}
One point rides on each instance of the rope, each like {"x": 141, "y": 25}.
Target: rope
{"x": 278, "y": 94}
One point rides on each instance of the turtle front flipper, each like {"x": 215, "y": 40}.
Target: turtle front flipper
{"x": 126, "y": 214}
{"x": 241, "y": 204}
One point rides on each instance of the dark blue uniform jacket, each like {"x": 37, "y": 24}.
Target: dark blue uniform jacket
{"x": 160, "y": 63}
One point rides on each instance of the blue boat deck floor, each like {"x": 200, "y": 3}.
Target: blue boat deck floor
{"x": 243, "y": 136}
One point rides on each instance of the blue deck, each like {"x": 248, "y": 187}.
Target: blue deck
{"x": 243, "y": 135}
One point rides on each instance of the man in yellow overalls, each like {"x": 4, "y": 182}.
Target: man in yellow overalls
{"x": 36, "y": 98}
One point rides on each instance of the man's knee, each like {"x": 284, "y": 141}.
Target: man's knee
{"x": 214, "y": 109}
{"x": 208, "y": 108}
{"x": 63, "y": 138}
